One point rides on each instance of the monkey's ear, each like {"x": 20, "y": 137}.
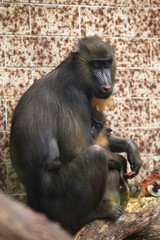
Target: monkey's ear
{"x": 74, "y": 52}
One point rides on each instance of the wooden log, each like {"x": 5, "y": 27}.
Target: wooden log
{"x": 21, "y": 223}
{"x": 18, "y": 222}
{"x": 131, "y": 224}
{"x": 151, "y": 232}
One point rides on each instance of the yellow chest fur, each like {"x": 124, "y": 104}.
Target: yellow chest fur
{"x": 100, "y": 104}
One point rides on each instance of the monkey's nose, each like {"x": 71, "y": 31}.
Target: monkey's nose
{"x": 107, "y": 88}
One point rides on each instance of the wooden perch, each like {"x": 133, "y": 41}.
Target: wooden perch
{"x": 144, "y": 222}
{"x": 18, "y": 222}
{"x": 21, "y": 223}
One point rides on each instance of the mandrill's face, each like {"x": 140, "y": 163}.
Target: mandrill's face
{"x": 101, "y": 69}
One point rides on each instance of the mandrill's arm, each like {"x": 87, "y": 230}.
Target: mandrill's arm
{"x": 118, "y": 144}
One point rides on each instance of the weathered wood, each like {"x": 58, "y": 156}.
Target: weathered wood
{"x": 144, "y": 221}
{"x": 18, "y": 222}
{"x": 151, "y": 232}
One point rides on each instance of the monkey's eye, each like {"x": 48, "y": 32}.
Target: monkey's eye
{"x": 107, "y": 63}
{"x": 99, "y": 126}
{"x": 95, "y": 65}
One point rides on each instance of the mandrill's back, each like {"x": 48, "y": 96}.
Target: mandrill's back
{"x": 44, "y": 118}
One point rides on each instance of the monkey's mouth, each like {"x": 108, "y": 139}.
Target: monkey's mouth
{"x": 106, "y": 91}
{"x": 103, "y": 93}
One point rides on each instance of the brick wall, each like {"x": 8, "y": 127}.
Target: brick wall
{"x": 35, "y": 35}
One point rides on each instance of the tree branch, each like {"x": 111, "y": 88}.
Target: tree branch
{"x": 21, "y": 223}
{"x": 128, "y": 224}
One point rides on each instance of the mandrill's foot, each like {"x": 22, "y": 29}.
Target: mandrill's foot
{"x": 108, "y": 210}
{"x": 114, "y": 210}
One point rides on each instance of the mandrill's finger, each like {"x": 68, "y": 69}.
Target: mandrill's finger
{"x": 129, "y": 175}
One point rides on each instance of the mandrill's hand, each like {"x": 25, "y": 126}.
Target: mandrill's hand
{"x": 133, "y": 158}
{"x": 118, "y": 144}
